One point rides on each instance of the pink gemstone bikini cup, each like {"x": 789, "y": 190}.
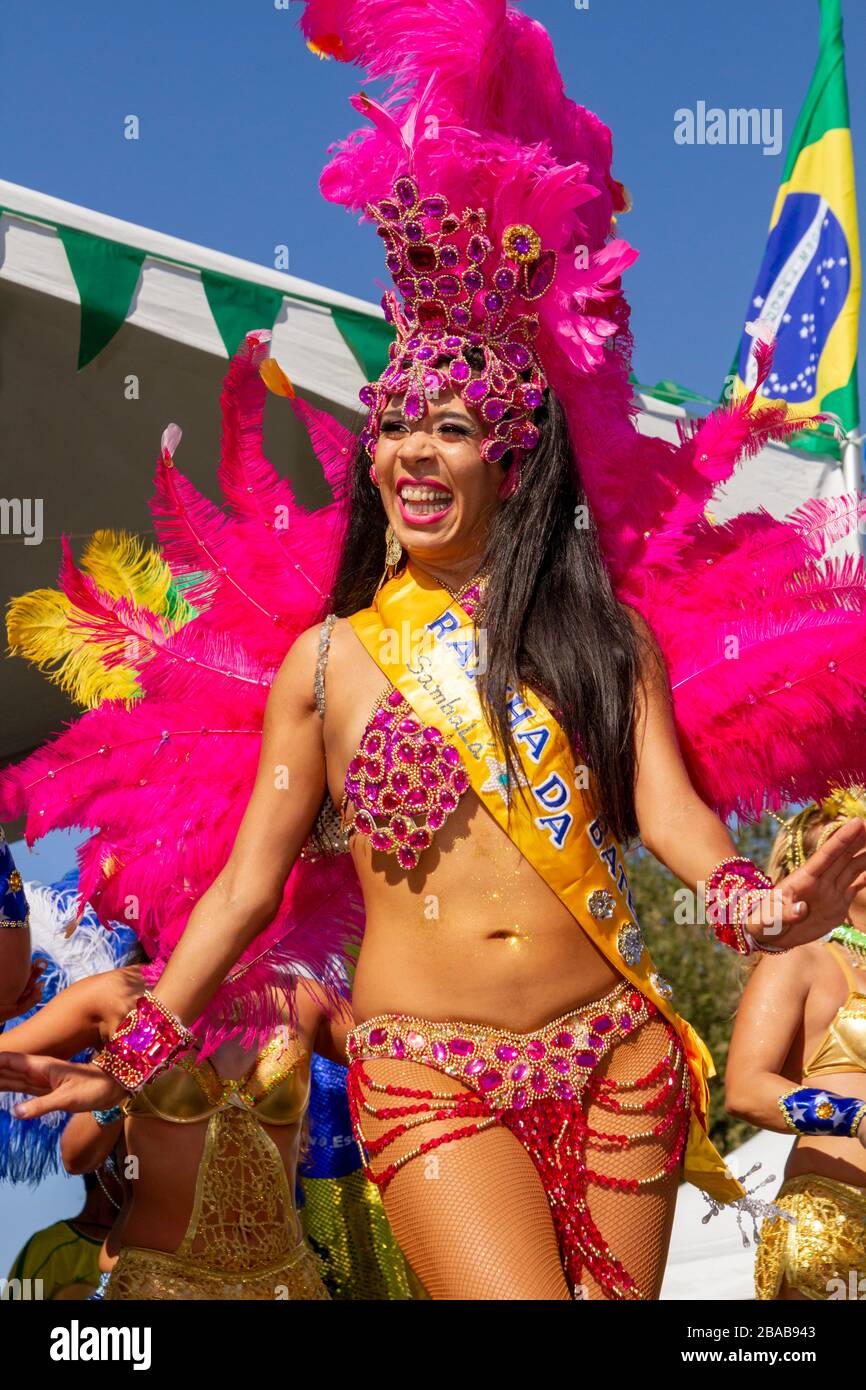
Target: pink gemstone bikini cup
{"x": 404, "y": 781}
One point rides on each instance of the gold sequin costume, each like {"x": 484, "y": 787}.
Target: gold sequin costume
{"x": 342, "y": 1213}
{"x": 827, "y": 1240}
{"x": 825, "y": 1243}
{"x": 243, "y": 1240}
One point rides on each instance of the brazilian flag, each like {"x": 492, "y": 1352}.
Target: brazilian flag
{"x": 808, "y": 287}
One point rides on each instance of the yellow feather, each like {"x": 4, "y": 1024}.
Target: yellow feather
{"x": 38, "y": 628}
{"x": 275, "y": 378}
{"x": 845, "y": 803}
{"x": 123, "y": 566}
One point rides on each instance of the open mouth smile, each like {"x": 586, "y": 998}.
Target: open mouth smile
{"x": 421, "y": 503}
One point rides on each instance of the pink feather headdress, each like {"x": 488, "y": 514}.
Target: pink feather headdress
{"x": 494, "y": 195}
{"x": 460, "y": 291}
{"x": 476, "y": 115}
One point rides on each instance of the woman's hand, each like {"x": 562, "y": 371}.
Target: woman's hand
{"x": 56, "y": 1085}
{"x": 825, "y": 885}
{"x": 861, "y": 1131}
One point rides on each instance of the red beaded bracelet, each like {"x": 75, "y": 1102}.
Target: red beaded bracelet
{"x": 145, "y": 1042}
{"x": 741, "y": 889}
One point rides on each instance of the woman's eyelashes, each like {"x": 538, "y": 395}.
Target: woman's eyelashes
{"x": 394, "y": 426}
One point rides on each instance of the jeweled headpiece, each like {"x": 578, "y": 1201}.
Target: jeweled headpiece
{"x": 460, "y": 290}
{"x": 494, "y": 195}
{"x": 843, "y": 803}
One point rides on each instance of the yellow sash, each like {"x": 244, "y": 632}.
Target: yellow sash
{"x": 430, "y": 653}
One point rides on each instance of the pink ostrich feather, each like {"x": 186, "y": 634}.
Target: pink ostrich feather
{"x": 476, "y": 111}
{"x": 164, "y": 784}
{"x": 335, "y": 446}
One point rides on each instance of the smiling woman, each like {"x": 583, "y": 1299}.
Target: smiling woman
{"x": 456, "y": 424}
{"x": 510, "y": 1031}
{"x": 533, "y": 548}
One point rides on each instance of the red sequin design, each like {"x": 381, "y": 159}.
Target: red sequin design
{"x": 552, "y": 1127}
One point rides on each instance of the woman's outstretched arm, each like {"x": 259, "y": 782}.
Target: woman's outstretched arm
{"x": 85, "y": 1144}
{"x": 770, "y": 1014}
{"x": 690, "y": 839}
{"x": 241, "y": 901}
{"x": 81, "y": 1016}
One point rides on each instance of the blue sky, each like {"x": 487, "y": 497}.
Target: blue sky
{"x": 236, "y": 116}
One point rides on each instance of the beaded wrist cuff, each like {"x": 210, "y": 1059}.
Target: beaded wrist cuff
{"x": 14, "y": 908}
{"x": 107, "y": 1117}
{"x": 733, "y": 890}
{"x": 144, "y": 1044}
{"x": 808, "y": 1110}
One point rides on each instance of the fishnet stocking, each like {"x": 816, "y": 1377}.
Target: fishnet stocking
{"x": 473, "y": 1217}
{"x": 636, "y": 1225}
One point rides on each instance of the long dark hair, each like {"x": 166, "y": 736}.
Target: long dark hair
{"x": 552, "y": 620}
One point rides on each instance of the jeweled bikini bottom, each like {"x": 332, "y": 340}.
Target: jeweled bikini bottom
{"x": 539, "y": 1085}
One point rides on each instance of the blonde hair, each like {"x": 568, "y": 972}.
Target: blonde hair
{"x": 803, "y": 834}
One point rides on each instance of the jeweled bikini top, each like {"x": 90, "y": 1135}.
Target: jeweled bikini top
{"x": 405, "y": 778}
{"x": 275, "y": 1088}
{"x": 404, "y": 781}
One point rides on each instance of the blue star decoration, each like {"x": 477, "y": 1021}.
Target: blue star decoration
{"x": 820, "y": 1112}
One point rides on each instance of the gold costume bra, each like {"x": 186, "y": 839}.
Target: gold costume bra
{"x": 243, "y": 1215}
{"x": 843, "y": 1047}
{"x": 276, "y": 1088}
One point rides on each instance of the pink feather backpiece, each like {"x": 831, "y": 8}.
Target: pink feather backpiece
{"x": 763, "y": 637}
{"x": 164, "y": 785}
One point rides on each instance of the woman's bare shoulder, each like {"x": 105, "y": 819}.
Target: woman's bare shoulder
{"x": 335, "y": 651}
{"x": 294, "y": 683}
{"x": 344, "y": 647}
{"x": 793, "y": 971}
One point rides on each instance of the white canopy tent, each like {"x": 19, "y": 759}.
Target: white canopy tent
{"x": 169, "y": 299}
{"x": 779, "y": 478}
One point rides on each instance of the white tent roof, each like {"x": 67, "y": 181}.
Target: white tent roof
{"x": 169, "y": 299}
{"x": 779, "y": 478}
